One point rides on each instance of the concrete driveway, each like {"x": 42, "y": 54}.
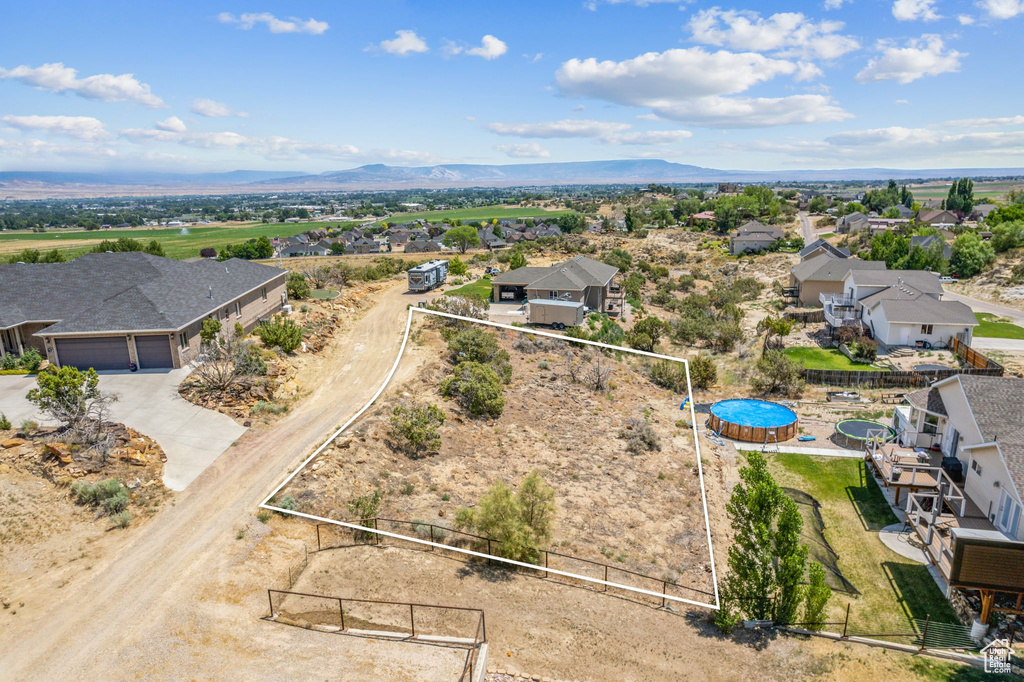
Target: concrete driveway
{"x": 148, "y": 401}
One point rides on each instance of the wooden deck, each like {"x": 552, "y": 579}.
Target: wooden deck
{"x": 940, "y": 549}
{"x": 905, "y": 468}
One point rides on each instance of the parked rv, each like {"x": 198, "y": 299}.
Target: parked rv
{"x": 428, "y": 275}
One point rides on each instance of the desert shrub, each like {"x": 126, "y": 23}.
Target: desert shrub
{"x": 365, "y": 508}
{"x": 28, "y": 426}
{"x": 463, "y": 306}
{"x": 122, "y": 519}
{"x": 476, "y": 345}
{"x": 776, "y": 372}
{"x": 669, "y": 374}
{"x": 286, "y": 502}
{"x": 115, "y": 504}
{"x": 109, "y": 494}
{"x": 281, "y": 333}
{"x": 703, "y": 371}
{"x": 519, "y": 520}
{"x": 268, "y": 407}
{"x": 687, "y": 282}
{"x": 864, "y": 349}
{"x": 646, "y": 333}
{"x": 618, "y": 258}
{"x": 297, "y": 286}
{"x": 477, "y": 387}
{"x": 640, "y": 437}
{"x": 414, "y": 429}
{"x": 529, "y": 344}
{"x": 5, "y": 423}
{"x": 30, "y": 360}
{"x": 250, "y": 362}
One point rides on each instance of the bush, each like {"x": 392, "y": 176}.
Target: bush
{"x": 268, "y": 407}
{"x": 640, "y": 437}
{"x": 520, "y": 521}
{"x": 286, "y": 502}
{"x": 457, "y": 267}
{"x": 250, "y": 362}
{"x": 670, "y": 375}
{"x": 864, "y": 349}
{"x": 122, "y": 519}
{"x": 414, "y": 429}
{"x": 703, "y": 372}
{"x": 210, "y": 330}
{"x": 477, "y": 387}
{"x": 108, "y": 494}
{"x": 115, "y": 504}
{"x": 476, "y": 345}
{"x": 281, "y": 333}
{"x": 5, "y": 423}
{"x": 646, "y": 333}
{"x": 30, "y": 360}
{"x": 297, "y": 286}
{"x": 816, "y": 596}
{"x": 776, "y": 372}
{"x": 9, "y": 361}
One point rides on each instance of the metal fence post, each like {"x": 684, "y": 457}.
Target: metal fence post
{"x": 488, "y": 550}
{"x": 924, "y": 635}
{"x": 605, "y": 578}
{"x": 431, "y": 536}
{"x": 483, "y": 623}
{"x": 664, "y": 591}
{"x": 846, "y": 622}
{"x": 412, "y": 621}
{"x": 270, "y": 598}
{"x": 545, "y": 563}
{"x": 376, "y": 536}
{"x": 341, "y": 608}
{"x": 318, "y": 537}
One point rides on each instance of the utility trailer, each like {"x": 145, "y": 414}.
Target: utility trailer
{"x": 428, "y": 275}
{"x": 557, "y": 314}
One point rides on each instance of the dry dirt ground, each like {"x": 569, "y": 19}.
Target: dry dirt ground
{"x": 568, "y": 432}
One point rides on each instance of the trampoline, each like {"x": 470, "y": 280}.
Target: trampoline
{"x": 930, "y": 367}
{"x": 753, "y": 421}
{"x": 853, "y": 433}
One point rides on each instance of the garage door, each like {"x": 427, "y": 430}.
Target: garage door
{"x": 153, "y": 351}
{"x": 98, "y": 352}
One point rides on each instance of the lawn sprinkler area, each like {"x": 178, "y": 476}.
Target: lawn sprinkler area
{"x": 618, "y": 454}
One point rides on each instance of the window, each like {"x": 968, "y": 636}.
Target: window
{"x": 976, "y": 466}
{"x": 931, "y": 424}
{"x": 926, "y": 329}
{"x": 263, "y": 293}
{"x": 553, "y": 295}
{"x": 238, "y": 309}
{"x": 183, "y": 339}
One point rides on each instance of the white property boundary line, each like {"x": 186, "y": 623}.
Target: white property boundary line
{"x": 401, "y": 351}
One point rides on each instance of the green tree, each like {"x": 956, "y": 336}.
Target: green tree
{"x": 776, "y": 372}
{"x": 210, "y": 330}
{"x": 618, "y": 258}
{"x": 66, "y": 394}
{"x": 457, "y": 267}
{"x": 281, "y": 332}
{"x": 337, "y": 248}
{"x": 817, "y": 595}
{"x": 703, "y": 371}
{"x": 477, "y": 387}
{"x": 960, "y": 197}
{"x": 774, "y": 327}
{"x": 461, "y": 238}
{"x": 634, "y": 219}
{"x": 766, "y": 559}
{"x": 646, "y": 333}
{"x": 889, "y": 247}
{"x": 415, "y": 429}
{"x": 570, "y": 222}
{"x": 817, "y": 204}
{"x": 297, "y": 286}
{"x": 518, "y": 260}
{"x": 970, "y": 255}
{"x": 521, "y": 521}
{"x": 475, "y": 345}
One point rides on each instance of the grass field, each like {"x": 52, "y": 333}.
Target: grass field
{"x": 826, "y": 358}
{"x": 480, "y": 213}
{"x": 987, "y": 190}
{"x": 176, "y": 245}
{"x": 892, "y": 589}
{"x": 324, "y": 294}
{"x": 990, "y": 327}
{"x": 481, "y": 287}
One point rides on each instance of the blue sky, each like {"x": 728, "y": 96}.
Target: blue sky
{"x": 317, "y": 86}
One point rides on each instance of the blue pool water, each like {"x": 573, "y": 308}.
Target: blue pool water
{"x": 757, "y": 413}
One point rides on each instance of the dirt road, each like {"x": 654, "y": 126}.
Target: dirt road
{"x": 140, "y": 611}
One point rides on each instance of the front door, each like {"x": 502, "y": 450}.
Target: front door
{"x": 1008, "y": 518}
{"x": 954, "y": 442}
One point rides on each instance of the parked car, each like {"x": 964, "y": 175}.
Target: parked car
{"x": 492, "y": 271}
{"x": 947, "y": 279}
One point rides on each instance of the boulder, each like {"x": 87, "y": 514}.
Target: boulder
{"x": 12, "y": 443}
{"x": 60, "y": 451}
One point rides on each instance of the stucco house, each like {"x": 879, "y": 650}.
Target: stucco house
{"x": 852, "y": 222}
{"x": 753, "y": 236}
{"x": 822, "y": 272}
{"x": 938, "y": 218}
{"x": 109, "y": 310}
{"x": 578, "y": 279}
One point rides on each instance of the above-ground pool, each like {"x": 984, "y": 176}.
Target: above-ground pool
{"x": 754, "y": 421}
{"x": 854, "y": 433}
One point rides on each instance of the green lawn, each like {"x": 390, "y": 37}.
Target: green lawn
{"x": 480, "y": 213}
{"x": 892, "y": 589}
{"x": 826, "y": 358}
{"x": 175, "y": 244}
{"x": 481, "y": 287}
{"x": 324, "y": 294}
{"x": 990, "y": 327}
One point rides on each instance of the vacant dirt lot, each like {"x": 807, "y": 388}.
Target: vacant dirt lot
{"x": 567, "y": 431}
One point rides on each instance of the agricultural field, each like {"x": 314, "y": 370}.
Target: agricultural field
{"x": 179, "y": 243}
{"x": 982, "y": 190}
{"x": 479, "y": 213}
{"x": 600, "y": 449}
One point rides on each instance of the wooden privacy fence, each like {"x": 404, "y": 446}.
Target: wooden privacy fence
{"x": 806, "y": 316}
{"x": 973, "y": 357}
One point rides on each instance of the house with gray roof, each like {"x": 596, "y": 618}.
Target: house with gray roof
{"x": 852, "y": 222}
{"x": 930, "y": 241}
{"x": 753, "y": 236}
{"x": 579, "y": 279}
{"x": 112, "y": 310}
{"x": 821, "y": 245}
{"x": 821, "y": 273}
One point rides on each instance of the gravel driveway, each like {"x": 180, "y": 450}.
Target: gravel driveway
{"x": 148, "y": 401}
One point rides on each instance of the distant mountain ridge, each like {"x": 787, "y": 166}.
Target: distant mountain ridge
{"x": 382, "y": 177}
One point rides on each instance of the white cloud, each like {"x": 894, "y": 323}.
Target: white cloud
{"x": 105, "y": 87}
{"x": 965, "y": 19}
{"x": 271, "y": 147}
{"x": 490, "y": 48}
{"x": 807, "y": 71}
{"x": 33, "y": 149}
{"x": 405, "y": 42}
{"x": 213, "y": 109}
{"x": 924, "y": 56}
{"x": 274, "y": 25}
{"x": 979, "y": 122}
{"x": 82, "y": 127}
{"x": 689, "y": 85}
{"x": 911, "y": 10}
{"x": 568, "y": 127}
{"x": 901, "y": 101}
{"x": 788, "y": 34}
{"x": 173, "y": 124}
{"x": 835, "y": 4}
{"x": 593, "y": 4}
{"x": 606, "y": 132}
{"x": 1002, "y": 9}
{"x": 529, "y": 150}
{"x": 533, "y": 58}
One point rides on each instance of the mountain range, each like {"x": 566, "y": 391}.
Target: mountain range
{"x": 17, "y": 184}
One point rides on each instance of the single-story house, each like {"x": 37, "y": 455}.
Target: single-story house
{"x": 109, "y": 310}
{"x": 291, "y": 250}
{"x": 753, "y": 236}
{"x": 928, "y": 241}
{"x": 938, "y": 218}
{"x": 852, "y": 222}
{"x": 578, "y": 279}
{"x": 822, "y": 272}
{"x": 904, "y": 211}
{"x": 491, "y": 240}
{"x": 822, "y": 245}
{"x": 422, "y": 246}
{"x": 981, "y": 211}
